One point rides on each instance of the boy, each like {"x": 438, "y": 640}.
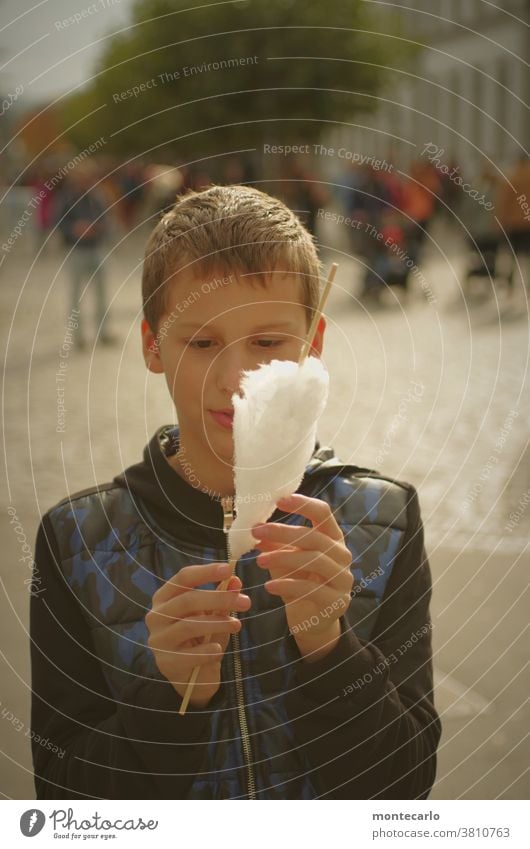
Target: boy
{"x": 322, "y": 685}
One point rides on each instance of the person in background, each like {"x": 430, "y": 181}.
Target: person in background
{"x": 131, "y": 182}
{"x": 513, "y": 206}
{"x": 44, "y": 209}
{"x": 81, "y": 222}
{"x": 304, "y": 193}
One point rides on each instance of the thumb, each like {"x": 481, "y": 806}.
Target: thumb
{"x": 235, "y": 583}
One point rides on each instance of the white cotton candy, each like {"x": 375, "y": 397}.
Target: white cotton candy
{"x": 274, "y": 431}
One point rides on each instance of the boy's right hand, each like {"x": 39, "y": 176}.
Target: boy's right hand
{"x": 180, "y": 618}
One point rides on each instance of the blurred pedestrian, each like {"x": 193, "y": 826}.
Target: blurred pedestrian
{"x": 513, "y": 205}
{"x": 304, "y": 193}
{"x": 482, "y": 234}
{"x": 80, "y": 214}
{"x": 419, "y": 200}
{"x": 368, "y": 205}
{"x": 131, "y": 182}
{"x": 44, "y": 209}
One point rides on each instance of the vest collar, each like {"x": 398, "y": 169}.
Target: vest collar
{"x": 180, "y": 510}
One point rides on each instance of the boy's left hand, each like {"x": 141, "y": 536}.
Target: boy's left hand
{"x": 310, "y": 571}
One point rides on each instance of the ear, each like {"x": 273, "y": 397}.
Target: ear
{"x": 150, "y": 349}
{"x": 318, "y": 339}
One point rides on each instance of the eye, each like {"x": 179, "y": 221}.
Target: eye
{"x": 269, "y": 343}
{"x": 199, "y": 344}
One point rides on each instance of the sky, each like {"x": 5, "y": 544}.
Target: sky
{"x": 48, "y": 54}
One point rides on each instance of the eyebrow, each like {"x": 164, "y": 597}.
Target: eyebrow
{"x": 191, "y": 325}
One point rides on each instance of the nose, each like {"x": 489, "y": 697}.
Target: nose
{"x": 229, "y": 368}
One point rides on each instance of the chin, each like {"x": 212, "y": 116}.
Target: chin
{"x": 221, "y": 443}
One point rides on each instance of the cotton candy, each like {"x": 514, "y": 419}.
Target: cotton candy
{"x": 274, "y": 431}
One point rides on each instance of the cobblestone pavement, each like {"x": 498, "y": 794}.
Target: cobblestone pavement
{"x": 430, "y": 391}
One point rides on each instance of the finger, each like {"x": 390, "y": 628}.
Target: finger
{"x": 305, "y": 538}
{"x": 319, "y": 512}
{"x": 192, "y": 603}
{"x": 209, "y": 652}
{"x": 234, "y": 583}
{"x": 229, "y": 584}
{"x": 173, "y": 636}
{"x": 190, "y": 577}
{"x": 222, "y": 639}
{"x": 268, "y": 545}
{"x": 202, "y": 655}
{"x": 283, "y": 564}
{"x": 207, "y": 601}
{"x": 296, "y": 590}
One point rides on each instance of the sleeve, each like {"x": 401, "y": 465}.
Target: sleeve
{"x": 364, "y": 715}
{"x": 86, "y": 744}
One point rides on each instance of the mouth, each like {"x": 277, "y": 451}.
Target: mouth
{"x": 224, "y": 418}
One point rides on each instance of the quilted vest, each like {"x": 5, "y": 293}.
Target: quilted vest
{"x": 114, "y": 561}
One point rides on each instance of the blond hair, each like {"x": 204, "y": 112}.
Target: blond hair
{"x": 231, "y": 230}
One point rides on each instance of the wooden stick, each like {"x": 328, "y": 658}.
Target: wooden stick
{"x": 303, "y": 354}
{"x": 196, "y": 669}
{"x": 319, "y": 310}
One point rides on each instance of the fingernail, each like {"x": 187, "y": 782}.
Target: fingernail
{"x": 223, "y": 570}
{"x": 286, "y": 501}
{"x": 259, "y": 530}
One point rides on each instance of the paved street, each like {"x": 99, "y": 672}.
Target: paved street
{"x": 433, "y": 391}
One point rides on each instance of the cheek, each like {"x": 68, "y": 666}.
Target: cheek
{"x": 186, "y": 378}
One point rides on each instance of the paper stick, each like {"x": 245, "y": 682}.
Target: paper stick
{"x": 303, "y": 354}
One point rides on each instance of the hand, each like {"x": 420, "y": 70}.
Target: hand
{"x": 310, "y": 571}
{"x": 180, "y": 618}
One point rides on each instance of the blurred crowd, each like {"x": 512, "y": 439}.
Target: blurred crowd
{"x": 386, "y": 214}
{"x": 389, "y": 215}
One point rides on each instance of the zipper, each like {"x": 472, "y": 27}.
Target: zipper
{"x": 227, "y": 502}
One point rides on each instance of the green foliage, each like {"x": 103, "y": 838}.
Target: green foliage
{"x": 188, "y": 114}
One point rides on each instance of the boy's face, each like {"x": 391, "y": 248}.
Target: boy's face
{"x": 214, "y": 329}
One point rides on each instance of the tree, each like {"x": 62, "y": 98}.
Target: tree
{"x": 187, "y": 81}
